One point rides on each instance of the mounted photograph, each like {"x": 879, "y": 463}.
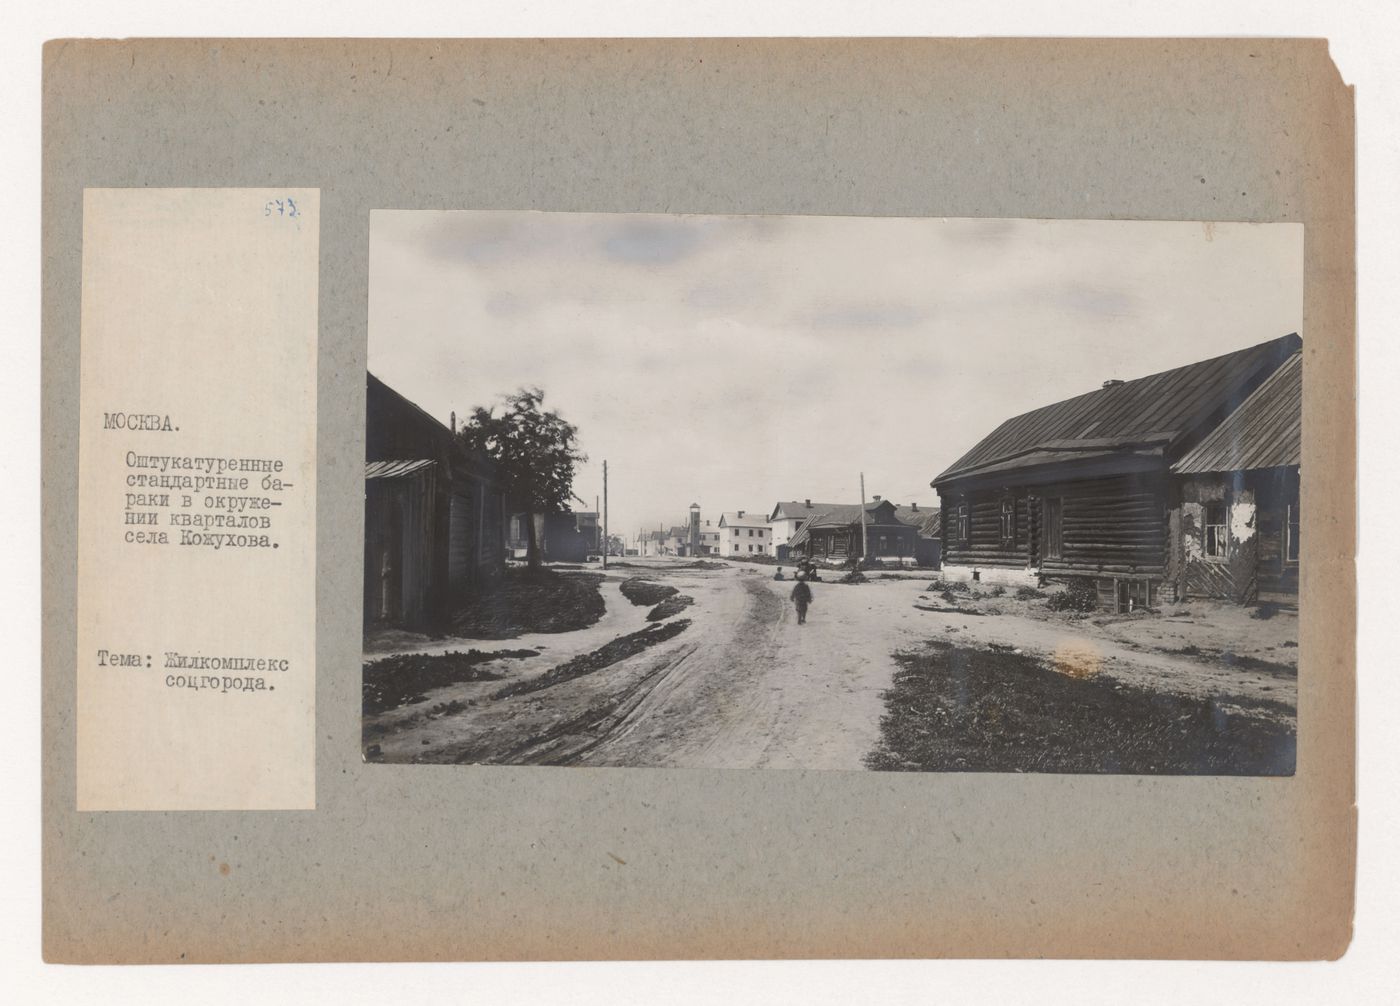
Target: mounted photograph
{"x": 846, "y": 493}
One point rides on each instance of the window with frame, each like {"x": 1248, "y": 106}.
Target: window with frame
{"x": 1291, "y": 534}
{"x": 961, "y": 522}
{"x": 1215, "y": 532}
{"x": 1008, "y": 522}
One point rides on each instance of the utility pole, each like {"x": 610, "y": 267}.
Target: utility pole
{"x": 605, "y": 515}
{"x": 864, "y": 534}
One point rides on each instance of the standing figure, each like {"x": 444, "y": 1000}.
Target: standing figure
{"x": 801, "y": 596}
{"x": 779, "y": 574}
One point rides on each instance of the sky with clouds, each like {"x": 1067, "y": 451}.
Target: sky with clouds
{"x": 736, "y": 361}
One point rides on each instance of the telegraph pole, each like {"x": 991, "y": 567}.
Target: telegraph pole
{"x": 605, "y": 515}
{"x": 864, "y": 534}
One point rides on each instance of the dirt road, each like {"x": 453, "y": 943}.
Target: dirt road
{"x": 765, "y": 692}
{"x": 745, "y": 686}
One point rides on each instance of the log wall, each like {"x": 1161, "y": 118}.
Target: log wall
{"x": 1108, "y": 525}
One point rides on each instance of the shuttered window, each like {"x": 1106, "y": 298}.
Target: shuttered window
{"x": 1008, "y": 522}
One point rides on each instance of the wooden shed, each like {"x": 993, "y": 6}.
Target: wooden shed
{"x": 434, "y": 515}
{"x": 1234, "y": 514}
{"x": 1084, "y": 487}
{"x": 928, "y": 533}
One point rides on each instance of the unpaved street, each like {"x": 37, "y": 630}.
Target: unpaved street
{"x": 745, "y": 686}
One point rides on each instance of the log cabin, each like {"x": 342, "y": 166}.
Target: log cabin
{"x": 434, "y": 516}
{"x": 1084, "y": 487}
{"x": 1234, "y": 508}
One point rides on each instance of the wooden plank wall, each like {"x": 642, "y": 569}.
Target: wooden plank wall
{"x": 400, "y": 517}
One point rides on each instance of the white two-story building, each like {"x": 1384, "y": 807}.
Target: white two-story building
{"x": 744, "y": 534}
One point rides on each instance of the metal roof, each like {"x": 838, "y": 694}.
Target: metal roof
{"x": 848, "y": 515}
{"x": 1265, "y": 432}
{"x": 797, "y": 509}
{"x": 751, "y": 518}
{"x": 925, "y": 520}
{"x": 394, "y": 469}
{"x": 1163, "y": 409}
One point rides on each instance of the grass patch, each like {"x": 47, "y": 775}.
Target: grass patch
{"x": 619, "y": 649}
{"x": 402, "y": 679}
{"x": 673, "y": 605}
{"x": 942, "y": 586}
{"x": 643, "y": 592}
{"x": 962, "y": 709}
{"x": 525, "y": 600}
{"x": 1255, "y": 664}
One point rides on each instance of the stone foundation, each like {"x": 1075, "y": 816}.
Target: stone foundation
{"x": 991, "y": 574}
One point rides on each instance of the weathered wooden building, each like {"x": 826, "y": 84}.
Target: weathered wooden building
{"x": 928, "y": 533}
{"x": 1234, "y": 512}
{"x": 1084, "y": 487}
{"x": 434, "y": 515}
{"x": 562, "y": 536}
{"x": 835, "y": 534}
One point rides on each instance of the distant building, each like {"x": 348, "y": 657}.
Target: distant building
{"x": 744, "y": 534}
{"x": 678, "y": 541}
{"x": 786, "y": 517}
{"x": 836, "y": 534}
{"x": 434, "y": 515}
{"x": 651, "y": 543}
{"x": 927, "y": 523}
{"x": 564, "y": 536}
{"x": 709, "y": 538}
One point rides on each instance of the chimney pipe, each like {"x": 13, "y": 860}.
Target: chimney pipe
{"x": 809, "y": 504}
{"x": 741, "y": 513}
{"x": 914, "y": 506}
{"x": 877, "y": 499}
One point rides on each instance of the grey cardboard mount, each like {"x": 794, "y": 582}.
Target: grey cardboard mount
{"x": 438, "y": 862}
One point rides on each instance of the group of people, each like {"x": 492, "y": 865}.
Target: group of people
{"x": 801, "y": 591}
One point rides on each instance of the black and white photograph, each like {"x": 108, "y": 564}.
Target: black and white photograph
{"x": 864, "y": 494}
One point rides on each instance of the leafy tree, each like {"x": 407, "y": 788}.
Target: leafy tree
{"x": 535, "y": 453}
{"x": 616, "y": 546}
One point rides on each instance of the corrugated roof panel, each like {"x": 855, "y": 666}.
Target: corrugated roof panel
{"x": 1266, "y": 431}
{"x": 394, "y": 469}
{"x": 1174, "y": 402}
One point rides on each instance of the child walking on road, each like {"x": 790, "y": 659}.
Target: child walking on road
{"x": 801, "y": 596}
